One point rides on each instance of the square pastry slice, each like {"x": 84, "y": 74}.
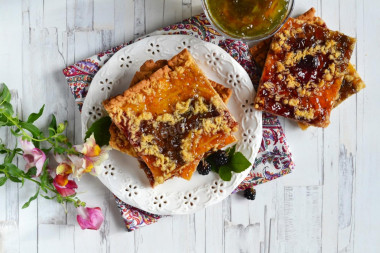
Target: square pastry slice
{"x": 172, "y": 118}
{"x": 303, "y": 72}
{"x": 118, "y": 140}
{"x": 351, "y": 84}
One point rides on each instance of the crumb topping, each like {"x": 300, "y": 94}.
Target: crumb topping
{"x": 163, "y": 136}
{"x": 166, "y": 128}
{"x": 303, "y": 72}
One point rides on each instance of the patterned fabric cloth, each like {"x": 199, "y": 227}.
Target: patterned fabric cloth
{"x": 274, "y": 158}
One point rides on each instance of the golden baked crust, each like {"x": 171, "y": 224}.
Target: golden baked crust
{"x": 118, "y": 141}
{"x": 173, "y": 118}
{"x": 303, "y": 72}
{"x": 352, "y": 83}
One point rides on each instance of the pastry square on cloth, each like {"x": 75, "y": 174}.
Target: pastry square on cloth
{"x": 173, "y": 118}
{"x": 351, "y": 84}
{"x": 303, "y": 72}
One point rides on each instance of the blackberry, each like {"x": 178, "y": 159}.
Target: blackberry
{"x": 220, "y": 158}
{"x": 250, "y": 193}
{"x": 203, "y": 167}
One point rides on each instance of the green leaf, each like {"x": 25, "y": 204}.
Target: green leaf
{"x": 44, "y": 177}
{"x": 231, "y": 150}
{"x": 31, "y": 172}
{"x": 100, "y": 130}
{"x": 15, "y": 179}
{"x": 10, "y": 155}
{"x": 53, "y": 126}
{"x": 46, "y": 150}
{"x": 210, "y": 161}
{"x": 3, "y": 180}
{"x": 5, "y": 95}
{"x": 225, "y": 173}
{"x": 15, "y": 133}
{"x": 47, "y": 197}
{"x": 59, "y": 199}
{"x": 31, "y": 199}
{"x": 7, "y": 109}
{"x": 59, "y": 150}
{"x": 4, "y": 121}
{"x": 13, "y": 170}
{"x": 35, "y": 116}
{"x": 31, "y": 128}
{"x": 61, "y": 138}
{"x": 238, "y": 162}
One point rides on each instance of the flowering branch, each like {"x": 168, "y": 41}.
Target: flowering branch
{"x": 73, "y": 160}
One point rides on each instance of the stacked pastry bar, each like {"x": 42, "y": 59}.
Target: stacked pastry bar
{"x": 170, "y": 117}
{"x": 306, "y": 71}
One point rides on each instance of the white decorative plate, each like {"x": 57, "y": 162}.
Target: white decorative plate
{"x": 121, "y": 173}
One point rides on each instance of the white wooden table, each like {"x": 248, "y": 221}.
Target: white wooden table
{"x": 328, "y": 204}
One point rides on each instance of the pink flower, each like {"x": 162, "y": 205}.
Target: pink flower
{"x": 92, "y": 158}
{"x": 33, "y": 156}
{"x": 90, "y": 218}
{"x": 64, "y": 186}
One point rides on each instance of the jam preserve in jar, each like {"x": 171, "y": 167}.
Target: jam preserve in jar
{"x": 247, "y": 19}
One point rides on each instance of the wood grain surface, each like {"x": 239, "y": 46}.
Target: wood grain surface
{"x": 328, "y": 204}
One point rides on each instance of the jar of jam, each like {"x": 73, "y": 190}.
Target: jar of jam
{"x": 250, "y": 20}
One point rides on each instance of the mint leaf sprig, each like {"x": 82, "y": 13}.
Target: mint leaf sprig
{"x": 237, "y": 163}
{"x": 97, "y": 128}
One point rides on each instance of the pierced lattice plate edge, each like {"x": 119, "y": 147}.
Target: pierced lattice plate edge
{"x": 218, "y": 66}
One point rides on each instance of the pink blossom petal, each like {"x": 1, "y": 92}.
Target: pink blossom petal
{"x": 72, "y": 185}
{"x": 29, "y": 158}
{"x": 40, "y": 158}
{"x": 60, "y": 158}
{"x": 27, "y": 146}
{"x": 90, "y": 218}
{"x": 66, "y": 190}
{"x": 33, "y": 156}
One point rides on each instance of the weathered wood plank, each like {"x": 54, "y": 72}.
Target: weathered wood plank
{"x": 152, "y": 237}
{"x": 367, "y": 223}
{"x": 84, "y": 14}
{"x": 172, "y": 12}
{"x": 139, "y": 18}
{"x": 11, "y": 36}
{"x": 303, "y": 219}
{"x": 196, "y": 7}
{"x": 57, "y": 237}
{"x": 104, "y": 15}
{"x": 331, "y": 151}
{"x": 154, "y": 18}
{"x": 124, "y": 21}
{"x": 186, "y": 8}
{"x": 197, "y": 232}
{"x": 347, "y": 168}
{"x": 28, "y": 217}
{"x": 214, "y": 227}
{"x": 119, "y": 239}
{"x": 9, "y": 236}
{"x": 9, "y": 206}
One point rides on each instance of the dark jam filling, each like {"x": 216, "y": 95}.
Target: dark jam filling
{"x": 169, "y": 137}
{"x": 311, "y": 68}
